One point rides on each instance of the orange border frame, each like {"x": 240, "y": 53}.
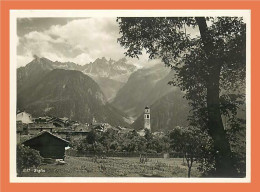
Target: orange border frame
{"x": 6, "y": 186}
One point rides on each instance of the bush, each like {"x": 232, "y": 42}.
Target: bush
{"x": 27, "y": 158}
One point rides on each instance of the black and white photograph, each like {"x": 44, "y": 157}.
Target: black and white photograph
{"x": 132, "y": 96}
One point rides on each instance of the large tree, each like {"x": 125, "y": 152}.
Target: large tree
{"x": 210, "y": 67}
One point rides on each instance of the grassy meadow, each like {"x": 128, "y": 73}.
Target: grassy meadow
{"x": 113, "y": 167}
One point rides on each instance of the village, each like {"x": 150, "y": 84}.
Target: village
{"x": 62, "y": 142}
{"x": 63, "y": 127}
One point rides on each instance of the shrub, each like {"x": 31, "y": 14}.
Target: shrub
{"x": 27, "y": 158}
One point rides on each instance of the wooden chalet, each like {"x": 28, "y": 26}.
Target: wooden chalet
{"x": 49, "y": 145}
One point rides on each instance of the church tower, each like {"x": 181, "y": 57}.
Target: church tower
{"x": 147, "y": 117}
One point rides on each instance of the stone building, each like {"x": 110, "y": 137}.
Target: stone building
{"x": 147, "y": 118}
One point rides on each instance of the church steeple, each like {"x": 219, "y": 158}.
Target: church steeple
{"x": 147, "y": 118}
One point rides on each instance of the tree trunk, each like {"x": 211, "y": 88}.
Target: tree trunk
{"x": 189, "y": 163}
{"x": 189, "y": 171}
{"x": 223, "y": 158}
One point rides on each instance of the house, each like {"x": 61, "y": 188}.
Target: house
{"x": 111, "y": 128}
{"x": 45, "y": 119}
{"x": 60, "y": 122}
{"x": 19, "y": 130}
{"x": 24, "y": 117}
{"x": 49, "y": 145}
{"x": 99, "y": 127}
{"x": 23, "y": 120}
{"x": 141, "y": 132}
{"x": 35, "y": 128}
{"x": 159, "y": 134}
{"x": 80, "y": 127}
{"x": 126, "y": 131}
{"x": 63, "y": 132}
{"x": 72, "y": 135}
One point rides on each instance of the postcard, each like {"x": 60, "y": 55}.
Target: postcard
{"x": 130, "y": 96}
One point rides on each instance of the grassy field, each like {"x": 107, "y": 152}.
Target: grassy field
{"x": 113, "y": 167}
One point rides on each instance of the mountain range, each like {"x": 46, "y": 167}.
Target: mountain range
{"x": 111, "y": 75}
{"x": 111, "y": 69}
{"x": 44, "y": 90}
{"x": 149, "y": 87}
{"x": 142, "y": 89}
{"x": 110, "y": 91}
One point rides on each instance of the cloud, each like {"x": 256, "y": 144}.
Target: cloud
{"x": 83, "y": 58}
{"x": 23, "y": 60}
{"x": 80, "y": 41}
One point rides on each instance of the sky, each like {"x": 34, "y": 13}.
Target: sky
{"x": 78, "y": 40}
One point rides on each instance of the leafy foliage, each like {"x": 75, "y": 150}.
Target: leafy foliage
{"x": 131, "y": 142}
{"x": 191, "y": 142}
{"x": 27, "y": 158}
{"x": 167, "y": 38}
{"x": 209, "y": 68}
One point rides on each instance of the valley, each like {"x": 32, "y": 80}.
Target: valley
{"x": 96, "y": 90}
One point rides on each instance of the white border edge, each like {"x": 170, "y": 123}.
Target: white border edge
{"x": 14, "y": 14}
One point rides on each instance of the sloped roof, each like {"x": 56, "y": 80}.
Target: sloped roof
{"x": 64, "y": 119}
{"x": 43, "y": 133}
